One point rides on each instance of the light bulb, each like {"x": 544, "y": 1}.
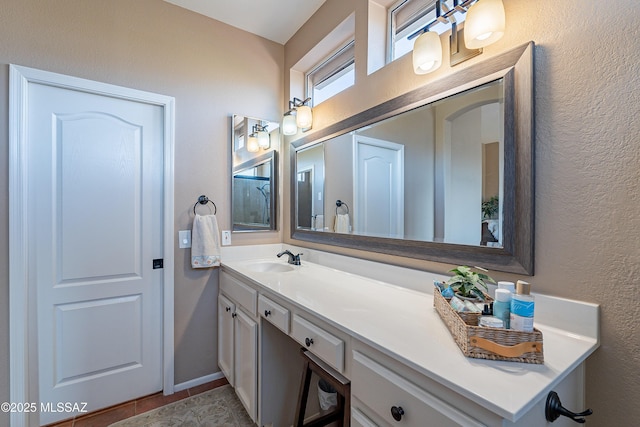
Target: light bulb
{"x": 427, "y": 53}
{"x": 252, "y": 144}
{"x": 304, "y": 117}
{"x": 484, "y": 24}
{"x": 289, "y": 126}
{"x": 263, "y": 140}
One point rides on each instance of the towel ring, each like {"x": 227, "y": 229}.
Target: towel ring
{"x": 203, "y": 200}
{"x": 340, "y": 203}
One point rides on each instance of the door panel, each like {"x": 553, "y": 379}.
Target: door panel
{"x": 98, "y": 172}
{"x": 226, "y": 309}
{"x": 246, "y": 362}
{"x": 86, "y": 331}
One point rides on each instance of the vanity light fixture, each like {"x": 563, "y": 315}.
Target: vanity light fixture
{"x": 258, "y": 139}
{"x": 252, "y": 144}
{"x": 263, "y": 137}
{"x": 484, "y": 25}
{"x": 289, "y": 126}
{"x": 302, "y": 120}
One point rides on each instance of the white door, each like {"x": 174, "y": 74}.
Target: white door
{"x": 94, "y": 172}
{"x": 378, "y": 187}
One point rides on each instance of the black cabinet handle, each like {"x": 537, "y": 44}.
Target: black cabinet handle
{"x": 267, "y": 313}
{"x": 228, "y": 308}
{"x": 234, "y": 314}
{"x": 308, "y": 341}
{"x": 554, "y": 409}
{"x": 397, "y": 412}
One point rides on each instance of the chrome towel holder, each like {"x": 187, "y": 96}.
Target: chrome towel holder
{"x": 203, "y": 200}
{"x": 340, "y": 203}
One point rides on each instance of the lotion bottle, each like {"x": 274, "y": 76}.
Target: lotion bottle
{"x": 502, "y": 306}
{"x": 522, "y": 307}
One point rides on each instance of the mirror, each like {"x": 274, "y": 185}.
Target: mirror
{"x": 443, "y": 173}
{"x": 254, "y": 174}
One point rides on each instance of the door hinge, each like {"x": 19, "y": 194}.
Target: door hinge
{"x": 158, "y": 263}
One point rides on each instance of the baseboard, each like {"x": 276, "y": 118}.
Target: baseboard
{"x": 198, "y": 381}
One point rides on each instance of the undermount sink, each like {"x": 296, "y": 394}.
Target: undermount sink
{"x": 270, "y": 267}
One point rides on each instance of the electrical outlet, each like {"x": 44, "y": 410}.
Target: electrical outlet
{"x": 226, "y": 238}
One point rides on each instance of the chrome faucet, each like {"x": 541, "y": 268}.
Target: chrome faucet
{"x": 293, "y": 259}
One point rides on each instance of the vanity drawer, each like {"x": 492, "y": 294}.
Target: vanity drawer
{"x": 358, "y": 419}
{"x": 242, "y": 294}
{"x": 323, "y": 344}
{"x": 274, "y": 313}
{"x": 384, "y": 391}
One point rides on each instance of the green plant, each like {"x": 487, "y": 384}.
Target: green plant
{"x": 490, "y": 207}
{"x": 468, "y": 283}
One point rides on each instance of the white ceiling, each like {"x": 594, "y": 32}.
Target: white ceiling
{"x": 276, "y": 20}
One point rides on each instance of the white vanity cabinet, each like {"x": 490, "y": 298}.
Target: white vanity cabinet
{"x": 404, "y": 367}
{"x": 238, "y": 339}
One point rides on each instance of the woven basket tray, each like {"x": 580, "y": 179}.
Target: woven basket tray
{"x": 488, "y": 343}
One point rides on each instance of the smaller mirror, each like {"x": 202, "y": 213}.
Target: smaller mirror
{"x": 254, "y": 145}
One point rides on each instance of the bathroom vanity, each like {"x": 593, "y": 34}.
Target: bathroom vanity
{"x": 404, "y": 366}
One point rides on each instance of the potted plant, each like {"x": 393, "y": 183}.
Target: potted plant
{"x": 468, "y": 283}
{"x": 490, "y": 208}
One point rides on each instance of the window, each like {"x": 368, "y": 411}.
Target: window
{"x": 408, "y": 16}
{"x": 333, "y": 75}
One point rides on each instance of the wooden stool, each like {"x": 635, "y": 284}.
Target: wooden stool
{"x": 342, "y": 413}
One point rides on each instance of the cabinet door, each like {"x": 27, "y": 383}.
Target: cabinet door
{"x": 226, "y": 311}
{"x": 246, "y": 362}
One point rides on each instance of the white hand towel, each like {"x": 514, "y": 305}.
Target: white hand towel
{"x": 342, "y": 223}
{"x": 319, "y": 222}
{"x": 205, "y": 242}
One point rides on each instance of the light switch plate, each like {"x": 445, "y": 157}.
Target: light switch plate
{"x": 226, "y": 238}
{"x": 184, "y": 237}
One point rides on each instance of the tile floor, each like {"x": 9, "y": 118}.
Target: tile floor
{"x": 108, "y": 416}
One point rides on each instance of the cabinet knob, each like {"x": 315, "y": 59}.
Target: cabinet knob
{"x": 554, "y": 409}
{"x": 228, "y": 308}
{"x": 267, "y": 313}
{"x": 308, "y": 341}
{"x": 234, "y": 314}
{"x": 397, "y": 412}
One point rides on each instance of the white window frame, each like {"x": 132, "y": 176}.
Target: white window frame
{"x": 341, "y": 70}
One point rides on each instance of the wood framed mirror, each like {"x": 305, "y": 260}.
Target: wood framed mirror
{"x": 442, "y": 173}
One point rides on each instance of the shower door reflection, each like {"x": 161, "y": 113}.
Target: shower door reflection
{"x": 253, "y": 198}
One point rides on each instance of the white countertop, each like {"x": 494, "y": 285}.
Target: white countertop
{"x": 403, "y": 324}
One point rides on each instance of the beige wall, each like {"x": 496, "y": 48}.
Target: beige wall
{"x": 587, "y": 77}
{"x": 210, "y": 68}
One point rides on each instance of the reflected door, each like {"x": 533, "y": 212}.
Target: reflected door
{"x": 378, "y": 187}
{"x": 305, "y": 198}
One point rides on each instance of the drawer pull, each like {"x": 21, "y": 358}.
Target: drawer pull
{"x": 228, "y": 308}
{"x": 308, "y": 342}
{"x": 397, "y": 412}
{"x": 234, "y": 314}
{"x": 267, "y": 313}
